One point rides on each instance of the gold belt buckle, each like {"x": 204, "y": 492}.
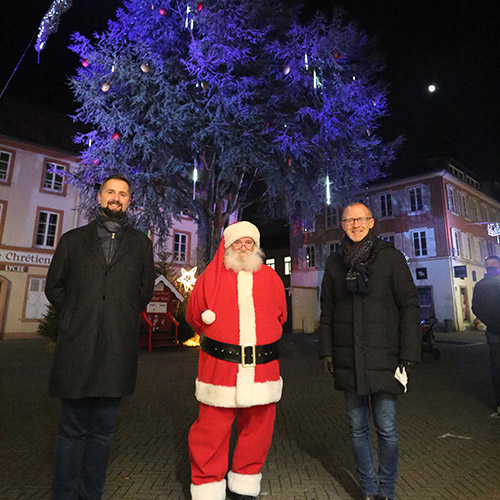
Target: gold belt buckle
{"x": 243, "y": 349}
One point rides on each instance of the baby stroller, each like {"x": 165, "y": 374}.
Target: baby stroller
{"x": 428, "y": 337}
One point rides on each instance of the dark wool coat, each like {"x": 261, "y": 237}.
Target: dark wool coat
{"x": 99, "y": 306}
{"x": 486, "y": 302}
{"x": 368, "y": 335}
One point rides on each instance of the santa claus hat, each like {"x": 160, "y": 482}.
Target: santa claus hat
{"x": 239, "y": 230}
{"x": 233, "y": 232}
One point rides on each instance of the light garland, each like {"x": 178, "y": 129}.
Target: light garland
{"x": 494, "y": 229}
{"x": 50, "y": 22}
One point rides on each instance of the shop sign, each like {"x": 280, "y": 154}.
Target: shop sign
{"x": 24, "y": 258}
{"x": 15, "y": 268}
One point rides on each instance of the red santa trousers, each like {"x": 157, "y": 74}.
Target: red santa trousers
{"x": 209, "y": 441}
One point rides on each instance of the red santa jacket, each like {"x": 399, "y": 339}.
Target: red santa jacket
{"x": 250, "y": 308}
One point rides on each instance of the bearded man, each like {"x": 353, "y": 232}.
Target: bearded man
{"x": 238, "y": 307}
{"x": 99, "y": 280}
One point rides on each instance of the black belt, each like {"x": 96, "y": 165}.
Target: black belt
{"x": 246, "y": 354}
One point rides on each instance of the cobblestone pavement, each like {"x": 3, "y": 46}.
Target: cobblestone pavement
{"x": 449, "y": 433}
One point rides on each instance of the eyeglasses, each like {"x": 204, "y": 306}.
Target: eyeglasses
{"x": 362, "y": 221}
{"x": 245, "y": 243}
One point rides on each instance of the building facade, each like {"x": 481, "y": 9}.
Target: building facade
{"x": 439, "y": 219}
{"x": 36, "y": 208}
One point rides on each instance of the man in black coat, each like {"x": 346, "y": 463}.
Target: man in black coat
{"x": 99, "y": 280}
{"x": 486, "y": 306}
{"x": 369, "y": 333}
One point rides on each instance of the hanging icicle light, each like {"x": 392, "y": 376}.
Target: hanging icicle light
{"x": 195, "y": 179}
{"x": 187, "y": 23}
{"x": 328, "y": 193}
{"x": 306, "y": 62}
{"x": 314, "y": 79}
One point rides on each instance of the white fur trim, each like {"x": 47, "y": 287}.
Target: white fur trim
{"x": 209, "y": 491}
{"x": 246, "y": 308}
{"x": 261, "y": 393}
{"x": 244, "y": 484}
{"x": 208, "y": 317}
{"x": 239, "y": 230}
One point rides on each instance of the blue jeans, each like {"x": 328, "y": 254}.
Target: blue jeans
{"x": 83, "y": 445}
{"x": 382, "y": 406}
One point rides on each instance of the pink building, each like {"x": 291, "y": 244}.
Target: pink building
{"x": 437, "y": 217}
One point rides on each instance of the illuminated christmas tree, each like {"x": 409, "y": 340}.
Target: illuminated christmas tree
{"x": 210, "y": 107}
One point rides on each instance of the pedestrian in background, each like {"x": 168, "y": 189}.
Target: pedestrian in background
{"x": 99, "y": 280}
{"x": 486, "y": 306}
{"x": 238, "y": 307}
{"x": 369, "y": 334}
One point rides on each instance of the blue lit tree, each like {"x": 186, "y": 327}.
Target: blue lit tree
{"x": 263, "y": 107}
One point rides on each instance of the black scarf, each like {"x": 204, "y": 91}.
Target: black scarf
{"x": 106, "y": 227}
{"x": 357, "y": 258}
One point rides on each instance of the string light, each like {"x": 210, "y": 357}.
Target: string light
{"x": 50, "y": 22}
{"x": 494, "y": 229}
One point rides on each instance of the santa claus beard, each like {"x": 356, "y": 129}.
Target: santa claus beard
{"x": 236, "y": 262}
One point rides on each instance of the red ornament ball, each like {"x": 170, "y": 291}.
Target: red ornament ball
{"x": 289, "y": 162}
{"x": 162, "y": 12}
{"x": 200, "y": 6}
{"x": 337, "y": 55}
{"x": 96, "y": 161}
{"x": 85, "y": 63}
{"x": 115, "y": 136}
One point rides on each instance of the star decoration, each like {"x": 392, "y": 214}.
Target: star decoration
{"x": 187, "y": 278}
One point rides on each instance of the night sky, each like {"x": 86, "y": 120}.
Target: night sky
{"x": 452, "y": 44}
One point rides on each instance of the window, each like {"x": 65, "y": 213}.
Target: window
{"x": 468, "y": 247}
{"x": 483, "y": 213}
{"x": 6, "y": 162}
{"x": 472, "y": 182}
{"x": 474, "y": 210}
{"x": 451, "y": 193}
{"x": 387, "y": 237}
{"x": 457, "y": 244}
{"x": 46, "y": 229}
{"x": 180, "y": 247}
{"x": 465, "y": 205}
{"x": 333, "y": 247}
{"x": 416, "y": 199}
{"x": 309, "y": 256}
{"x": 271, "y": 263}
{"x": 3, "y": 208}
{"x": 308, "y": 225}
{"x": 4, "y": 165}
{"x": 53, "y": 177}
{"x": 331, "y": 216}
{"x": 36, "y": 302}
{"x": 385, "y": 205}
{"x": 419, "y": 243}
{"x": 483, "y": 250}
{"x": 491, "y": 248}
{"x": 287, "y": 261}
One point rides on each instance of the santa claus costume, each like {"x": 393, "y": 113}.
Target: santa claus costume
{"x": 239, "y": 316}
